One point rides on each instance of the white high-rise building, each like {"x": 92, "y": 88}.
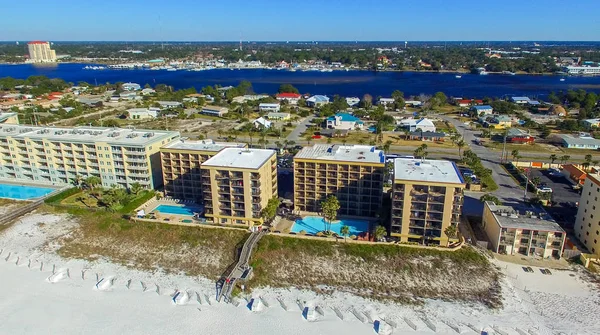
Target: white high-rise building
{"x": 40, "y": 52}
{"x": 587, "y": 223}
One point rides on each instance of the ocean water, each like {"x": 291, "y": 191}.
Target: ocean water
{"x": 344, "y": 83}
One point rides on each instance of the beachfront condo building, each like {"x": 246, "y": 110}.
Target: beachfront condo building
{"x": 522, "y": 230}
{"x": 237, "y": 184}
{"x": 58, "y": 156}
{"x": 427, "y": 197}
{"x": 352, "y": 173}
{"x": 40, "y": 52}
{"x": 587, "y": 223}
{"x": 181, "y": 161}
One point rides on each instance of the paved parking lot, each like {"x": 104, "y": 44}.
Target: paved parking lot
{"x": 563, "y": 197}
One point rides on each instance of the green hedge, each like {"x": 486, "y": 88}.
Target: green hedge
{"x": 137, "y": 202}
{"x": 57, "y": 198}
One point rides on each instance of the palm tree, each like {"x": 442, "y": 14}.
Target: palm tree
{"x": 406, "y": 132}
{"x": 380, "y": 232}
{"x": 77, "y": 181}
{"x": 588, "y": 161}
{"x": 553, "y": 158}
{"x": 135, "y": 188}
{"x": 595, "y": 162}
{"x": 461, "y": 144}
{"x": 386, "y": 146}
{"x": 92, "y": 182}
{"x": 536, "y": 180}
{"x": 515, "y": 155}
{"x": 345, "y": 231}
{"x": 451, "y": 232}
{"x": 329, "y": 208}
{"x": 308, "y": 139}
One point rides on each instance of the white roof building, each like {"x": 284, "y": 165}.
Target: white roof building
{"x": 240, "y": 158}
{"x": 352, "y": 101}
{"x": 262, "y": 122}
{"x": 423, "y": 124}
{"x": 427, "y": 170}
{"x": 269, "y": 107}
{"x": 345, "y": 153}
{"x": 202, "y": 145}
{"x": 131, "y": 87}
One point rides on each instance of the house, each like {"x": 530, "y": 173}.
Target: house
{"x": 128, "y": 96}
{"x": 148, "y": 91}
{"x": 413, "y": 103}
{"x": 214, "y": 111}
{"x": 142, "y": 113}
{"x": 262, "y": 123}
{"x": 430, "y": 136}
{"x": 249, "y": 97}
{"x": 169, "y": 104}
{"x": 190, "y": 100}
{"x": 278, "y": 116}
{"x": 269, "y": 107}
{"x": 131, "y": 87}
{"x": 317, "y": 100}
{"x": 516, "y": 135}
{"x": 468, "y": 102}
{"x": 423, "y": 124}
{"x": 343, "y": 121}
{"x": 483, "y": 110}
{"x": 583, "y": 141}
{"x": 496, "y": 121}
{"x": 291, "y": 98}
{"x": 574, "y": 173}
{"x": 591, "y": 123}
{"x": 352, "y": 101}
{"x": 91, "y": 102}
{"x": 520, "y": 100}
{"x": 55, "y": 96}
{"x": 386, "y": 102}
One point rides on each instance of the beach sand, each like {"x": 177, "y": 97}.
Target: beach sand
{"x": 42, "y": 292}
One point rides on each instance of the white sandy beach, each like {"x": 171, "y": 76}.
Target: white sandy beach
{"x": 71, "y": 301}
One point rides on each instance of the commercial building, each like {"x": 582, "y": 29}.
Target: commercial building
{"x": 352, "y": 173}
{"x": 522, "y": 230}
{"x": 181, "y": 161}
{"x": 40, "y": 52}
{"x": 344, "y": 121}
{"x": 582, "y": 70}
{"x": 237, "y": 184}
{"x": 119, "y": 157}
{"x": 583, "y": 141}
{"x": 427, "y": 197}
{"x": 587, "y": 223}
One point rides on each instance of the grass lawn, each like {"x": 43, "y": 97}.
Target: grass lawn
{"x": 521, "y": 147}
{"x": 83, "y": 199}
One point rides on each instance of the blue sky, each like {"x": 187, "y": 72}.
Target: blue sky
{"x": 271, "y": 20}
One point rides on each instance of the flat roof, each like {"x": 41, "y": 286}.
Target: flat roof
{"x": 240, "y": 158}
{"x": 522, "y": 216}
{"x": 345, "y": 153}
{"x": 572, "y": 140}
{"x": 427, "y": 170}
{"x": 117, "y": 136}
{"x": 202, "y": 145}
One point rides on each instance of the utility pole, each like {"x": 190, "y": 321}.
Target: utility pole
{"x": 503, "y": 148}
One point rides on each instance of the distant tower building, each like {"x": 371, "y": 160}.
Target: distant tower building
{"x": 40, "y": 52}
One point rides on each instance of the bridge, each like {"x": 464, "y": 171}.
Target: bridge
{"x": 242, "y": 268}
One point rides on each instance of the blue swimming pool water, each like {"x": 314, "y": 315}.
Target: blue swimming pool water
{"x": 178, "y": 210}
{"x": 20, "y": 192}
{"x": 315, "y": 224}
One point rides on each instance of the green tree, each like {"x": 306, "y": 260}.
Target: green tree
{"x": 92, "y": 181}
{"x": 345, "y": 231}
{"x": 380, "y": 233}
{"x": 366, "y": 101}
{"x": 386, "y": 146}
{"x": 515, "y": 155}
{"x": 536, "y": 180}
{"x": 553, "y": 158}
{"x": 451, "y": 232}
{"x": 135, "y": 188}
{"x": 492, "y": 198}
{"x": 287, "y": 88}
{"x": 564, "y": 159}
{"x": 330, "y": 208}
{"x": 270, "y": 211}
{"x": 460, "y": 144}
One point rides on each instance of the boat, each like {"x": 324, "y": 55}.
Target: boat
{"x": 172, "y": 69}
{"x": 508, "y": 72}
{"x": 458, "y": 76}
{"x": 562, "y": 79}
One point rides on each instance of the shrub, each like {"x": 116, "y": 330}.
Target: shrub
{"x": 57, "y": 198}
{"x": 136, "y": 202}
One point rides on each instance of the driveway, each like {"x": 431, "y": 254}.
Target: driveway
{"x": 296, "y": 134}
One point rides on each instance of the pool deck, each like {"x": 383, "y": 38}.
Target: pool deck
{"x": 150, "y": 209}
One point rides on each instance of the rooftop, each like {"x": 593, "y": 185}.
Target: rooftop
{"x": 482, "y": 107}
{"x": 112, "y": 136}
{"x": 516, "y": 132}
{"x": 288, "y": 95}
{"x": 240, "y": 158}
{"x": 345, "y": 153}
{"x": 345, "y": 117}
{"x": 203, "y": 145}
{"x": 428, "y": 170}
{"x": 521, "y": 216}
{"x": 572, "y": 140}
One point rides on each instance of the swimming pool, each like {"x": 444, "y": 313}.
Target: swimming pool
{"x": 177, "y": 210}
{"x": 22, "y": 192}
{"x": 315, "y": 224}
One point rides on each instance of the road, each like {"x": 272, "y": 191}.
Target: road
{"x": 296, "y": 134}
{"x": 508, "y": 190}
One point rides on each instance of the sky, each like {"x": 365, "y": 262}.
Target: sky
{"x": 308, "y": 20}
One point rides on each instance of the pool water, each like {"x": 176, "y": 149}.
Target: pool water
{"x": 177, "y": 210}
{"x": 21, "y": 192}
{"x": 315, "y": 224}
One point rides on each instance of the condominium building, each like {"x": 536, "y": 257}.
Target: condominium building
{"x": 352, "y": 173}
{"x": 40, "y": 52}
{"x": 237, "y": 184}
{"x": 181, "y": 162}
{"x": 522, "y": 230}
{"x": 587, "y": 223}
{"x": 427, "y": 197}
{"x": 48, "y": 155}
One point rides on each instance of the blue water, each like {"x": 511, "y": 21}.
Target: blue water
{"x": 315, "y": 224}
{"x": 178, "y": 210}
{"x": 344, "y": 83}
{"x": 23, "y": 192}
